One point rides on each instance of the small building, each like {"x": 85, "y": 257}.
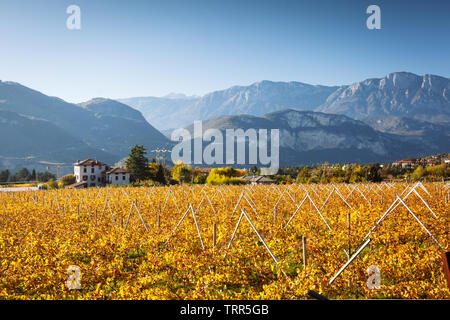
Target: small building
{"x": 414, "y": 164}
{"x": 118, "y": 176}
{"x": 93, "y": 172}
{"x": 78, "y": 185}
{"x": 403, "y": 164}
{"x": 258, "y": 180}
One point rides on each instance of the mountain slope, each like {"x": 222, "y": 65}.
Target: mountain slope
{"x": 103, "y": 127}
{"x": 24, "y": 139}
{"x": 257, "y": 99}
{"x": 262, "y": 97}
{"x": 435, "y": 136}
{"x": 112, "y": 108}
{"x": 307, "y": 137}
{"x": 404, "y": 126}
{"x": 398, "y": 94}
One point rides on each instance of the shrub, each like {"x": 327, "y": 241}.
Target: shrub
{"x": 67, "y": 180}
{"x": 225, "y": 176}
{"x": 52, "y": 184}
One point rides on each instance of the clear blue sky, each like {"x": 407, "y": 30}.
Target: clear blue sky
{"x": 151, "y": 48}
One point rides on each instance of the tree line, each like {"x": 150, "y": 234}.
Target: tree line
{"x": 351, "y": 173}
{"x": 145, "y": 172}
{"x": 24, "y": 175}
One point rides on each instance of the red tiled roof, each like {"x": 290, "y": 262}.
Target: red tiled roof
{"x": 425, "y": 161}
{"x": 89, "y": 162}
{"x": 117, "y": 171}
{"x": 78, "y": 184}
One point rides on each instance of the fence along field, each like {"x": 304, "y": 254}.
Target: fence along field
{"x": 226, "y": 242}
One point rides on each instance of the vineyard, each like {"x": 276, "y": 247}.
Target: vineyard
{"x": 226, "y": 242}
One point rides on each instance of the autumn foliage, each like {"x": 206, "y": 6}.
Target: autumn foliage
{"x": 129, "y": 242}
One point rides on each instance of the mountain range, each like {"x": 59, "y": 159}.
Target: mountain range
{"x": 397, "y": 94}
{"x": 38, "y": 129}
{"x": 397, "y": 116}
{"x": 308, "y": 137}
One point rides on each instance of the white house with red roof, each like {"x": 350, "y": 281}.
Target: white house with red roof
{"x": 93, "y": 173}
{"x": 118, "y": 176}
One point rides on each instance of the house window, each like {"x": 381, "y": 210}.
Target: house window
{"x": 84, "y": 169}
{"x": 93, "y": 178}
{"x": 85, "y": 178}
{"x": 117, "y": 177}
{"x": 123, "y": 178}
{"x": 92, "y": 170}
{"x": 99, "y": 179}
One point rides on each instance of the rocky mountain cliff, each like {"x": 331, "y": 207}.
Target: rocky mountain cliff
{"x": 307, "y": 137}
{"x": 398, "y": 94}
{"x": 257, "y": 99}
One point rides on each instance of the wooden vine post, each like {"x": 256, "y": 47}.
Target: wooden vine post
{"x": 305, "y": 252}
{"x": 214, "y": 234}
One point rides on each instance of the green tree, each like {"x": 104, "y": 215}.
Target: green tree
{"x": 137, "y": 163}
{"x": 372, "y": 173}
{"x": 418, "y": 174}
{"x": 438, "y": 171}
{"x": 357, "y": 174}
{"x": 226, "y": 175}
{"x": 157, "y": 172}
{"x": 23, "y": 175}
{"x": 182, "y": 173}
{"x": 45, "y": 176}
{"x": 303, "y": 176}
{"x": 4, "y": 175}
{"x": 200, "y": 179}
{"x": 67, "y": 180}
{"x": 52, "y": 184}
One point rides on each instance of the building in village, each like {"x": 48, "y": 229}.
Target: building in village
{"x": 258, "y": 180}
{"x": 93, "y": 173}
{"x": 118, "y": 176}
{"x": 414, "y": 164}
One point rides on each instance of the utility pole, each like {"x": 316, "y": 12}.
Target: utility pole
{"x": 164, "y": 155}
{"x": 157, "y": 150}
{"x": 161, "y": 155}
